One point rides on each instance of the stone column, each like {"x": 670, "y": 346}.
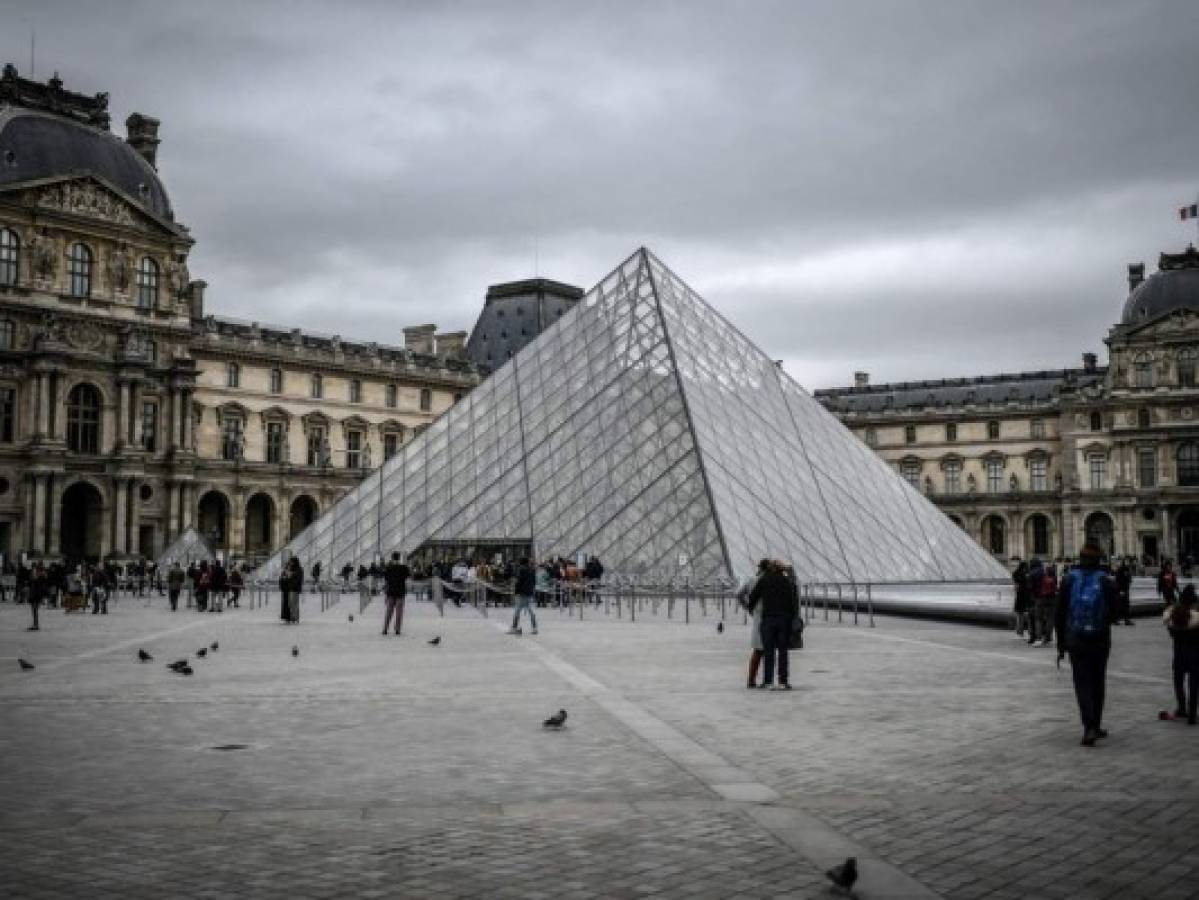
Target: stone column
{"x": 59, "y": 429}
{"x": 172, "y": 526}
{"x": 42, "y": 428}
{"x": 39, "y": 513}
{"x": 57, "y": 483}
{"x": 120, "y": 504}
{"x": 1167, "y": 545}
{"x": 187, "y": 496}
{"x": 185, "y": 420}
{"x": 135, "y": 416}
{"x": 27, "y": 512}
{"x": 135, "y": 516}
{"x": 173, "y": 440}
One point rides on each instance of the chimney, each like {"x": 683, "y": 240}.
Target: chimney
{"x": 451, "y": 343}
{"x": 419, "y": 338}
{"x": 861, "y": 379}
{"x": 1088, "y": 362}
{"x": 197, "y": 298}
{"x": 1136, "y": 274}
{"x": 143, "y": 136}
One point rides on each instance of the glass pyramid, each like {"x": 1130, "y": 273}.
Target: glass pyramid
{"x": 645, "y": 429}
{"x": 189, "y": 547}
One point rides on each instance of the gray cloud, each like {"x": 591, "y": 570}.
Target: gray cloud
{"x": 917, "y": 189}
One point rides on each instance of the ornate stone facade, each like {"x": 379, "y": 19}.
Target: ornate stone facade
{"x": 128, "y": 414}
{"x": 1032, "y": 464}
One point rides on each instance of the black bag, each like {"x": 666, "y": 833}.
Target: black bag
{"x": 796, "y": 638}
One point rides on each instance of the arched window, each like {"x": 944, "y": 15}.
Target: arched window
{"x": 1186, "y": 367}
{"x": 10, "y": 256}
{"x": 79, "y": 270}
{"x": 993, "y": 430}
{"x": 83, "y": 419}
{"x": 995, "y": 535}
{"x": 1188, "y": 465}
{"x": 147, "y": 283}
{"x": 1096, "y": 421}
{"x": 1142, "y": 369}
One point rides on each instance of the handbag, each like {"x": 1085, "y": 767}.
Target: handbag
{"x": 796, "y": 638}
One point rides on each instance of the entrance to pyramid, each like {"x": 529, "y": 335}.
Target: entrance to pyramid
{"x": 493, "y": 551}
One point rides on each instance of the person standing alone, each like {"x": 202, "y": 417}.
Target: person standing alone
{"x": 1087, "y": 604}
{"x": 395, "y": 579}
{"x": 523, "y": 590}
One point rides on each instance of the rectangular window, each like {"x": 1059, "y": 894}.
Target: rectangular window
{"x": 1098, "y": 470}
{"x": 1147, "y": 468}
{"x": 911, "y": 474}
{"x": 274, "y": 442}
{"x": 317, "y": 388}
{"x": 276, "y": 381}
{"x": 232, "y": 375}
{"x": 993, "y": 430}
{"x": 150, "y": 348}
{"x": 231, "y": 438}
{"x": 392, "y": 396}
{"x": 391, "y": 443}
{"x": 6, "y": 334}
{"x": 994, "y": 476}
{"x": 953, "y": 477}
{"x": 426, "y": 399}
{"x": 316, "y": 446}
{"x": 1038, "y": 474}
{"x": 951, "y": 432}
{"x": 353, "y": 449}
{"x": 149, "y": 426}
{"x": 1037, "y": 429}
{"x": 355, "y": 391}
{"x": 8, "y": 414}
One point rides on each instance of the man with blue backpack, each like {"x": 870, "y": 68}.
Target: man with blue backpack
{"x": 1087, "y": 604}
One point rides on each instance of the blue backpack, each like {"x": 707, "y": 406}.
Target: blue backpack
{"x": 1087, "y": 613}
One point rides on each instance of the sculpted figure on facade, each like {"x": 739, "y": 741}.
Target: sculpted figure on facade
{"x": 178, "y": 276}
{"x": 119, "y": 263}
{"x": 43, "y": 256}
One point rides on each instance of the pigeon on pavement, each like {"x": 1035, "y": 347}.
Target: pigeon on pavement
{"x": 185, "y": 670}
{"x": 177, "y": 664}
{"x": 25, "y": 664}
{"x": 351, "y": 617}
{"x": 436, "y": 641}
{"x": 214, "y": 647}
{"x": 143, "y": 656}
{"x": 720, "y": 627}
{"x": 844, "y": 875}
{"x": 557, "y": 720}
{"x": 295, "y": 650}
{"x": 202, "y": 652}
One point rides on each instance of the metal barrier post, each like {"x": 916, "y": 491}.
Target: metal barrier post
{"x": 870, "y": 605}
{"x": 855, "y": 603}
{"x": 839, "y": 610}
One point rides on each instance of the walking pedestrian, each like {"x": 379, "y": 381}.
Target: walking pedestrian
{"x": 524, "y": 588}
{"x": 38, "y": 585}
{"x": 174, "y": 584}
{"x": 1086, "y": 607}
{"x": 395, "y": 580}
{"x": 780, "y": 604}
{"x": 237, "y": 582}
{"x": 1124, "y": 590}
{"x": 203, "y": 586}
{"x": 1043, "y": 604}
{"x": 292, "y": 583}
{"x": 1032, "y": 579}
{"x": 1182, "y": 620}
{"x": 1023, "y": 601}
{"x": 1167, "y": 584}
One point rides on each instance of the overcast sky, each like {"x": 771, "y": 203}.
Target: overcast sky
{"x": 918, "y": 189}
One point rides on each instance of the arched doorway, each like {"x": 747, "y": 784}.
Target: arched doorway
{"x": 1099, "y": 531}
{"x": 1187, "y": 522}
{"x": 212, "y": 519}
{"x": 260, "y": 515}
{"x": 82, "y": 523}
{"x": 303, "y": 513}
{"x": 1036, "y": 535}
{"x": 994, "y": 535}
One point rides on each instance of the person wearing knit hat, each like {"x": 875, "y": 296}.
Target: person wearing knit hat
{"x": 1087, "y": 604}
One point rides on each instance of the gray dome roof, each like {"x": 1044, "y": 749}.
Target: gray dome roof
{"x": 1174, "y": 286}
{"x": 36, "y": 145}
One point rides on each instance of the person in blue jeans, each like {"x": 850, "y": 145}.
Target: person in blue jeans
{"x": 1088, "y": 602}
{"x": 780, "y": 605}
{"x": 524, "y": 588}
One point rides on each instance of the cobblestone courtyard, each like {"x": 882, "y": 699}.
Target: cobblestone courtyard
{"x": 945, "y": 757}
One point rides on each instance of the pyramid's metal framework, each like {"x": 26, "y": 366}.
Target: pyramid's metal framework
{"x": 644, "y": 428}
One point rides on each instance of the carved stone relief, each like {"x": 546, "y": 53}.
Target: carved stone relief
{"x": 119, "y": 265}
{"x": 87, "y": 199}
{"x": 84, "y": 336}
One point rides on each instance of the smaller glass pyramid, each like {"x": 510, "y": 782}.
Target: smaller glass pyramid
{"x": 645, "y": 429}
{"x": 189, "y": 547}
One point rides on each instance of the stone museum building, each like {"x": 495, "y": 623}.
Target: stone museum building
{"x": 128, "y": 412}
{"x": 1034, "y": 463}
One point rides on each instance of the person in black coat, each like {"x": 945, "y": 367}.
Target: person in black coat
{"x": 780, "y": 605}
